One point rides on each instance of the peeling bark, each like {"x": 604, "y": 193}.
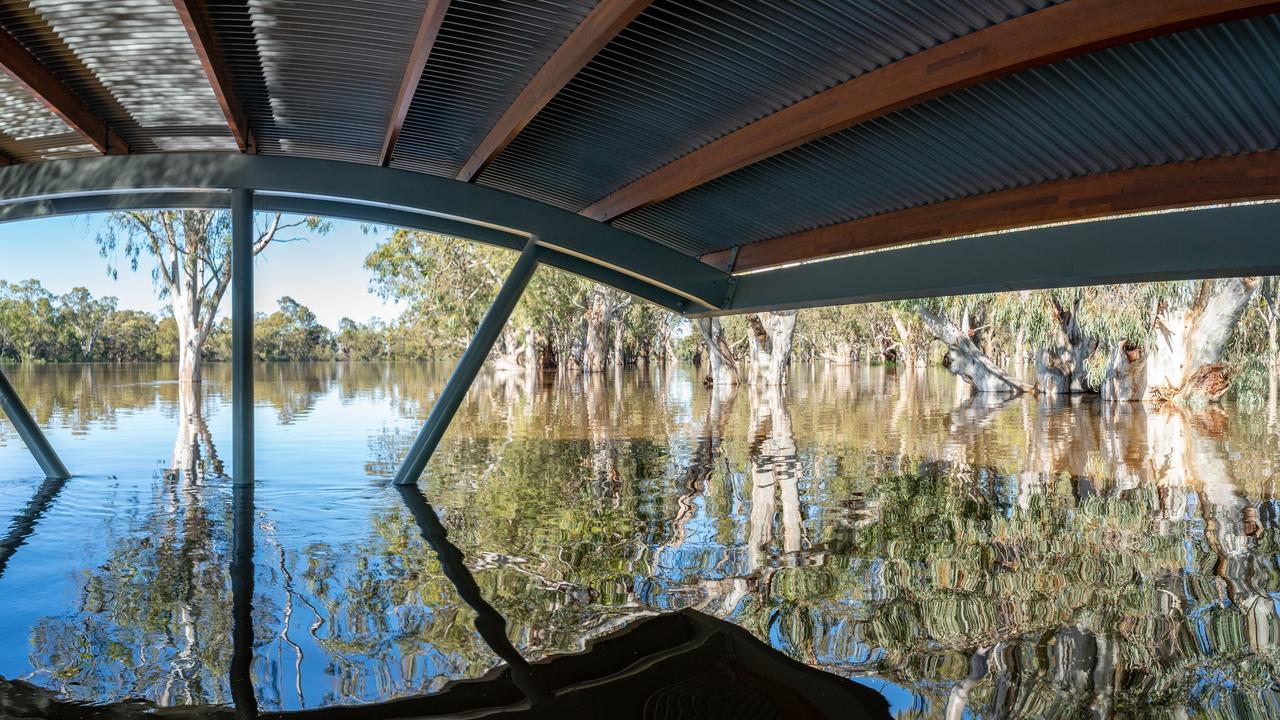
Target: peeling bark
{"x": 1183, "y": 361}
{"x": 770, "y": 342}
{"x": 967, "y": 361}
{"x": 724, "y": 369}
{"x": 1060, "y": 370}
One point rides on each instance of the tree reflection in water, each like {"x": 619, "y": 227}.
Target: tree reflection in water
{"x": 1000, "y": 556}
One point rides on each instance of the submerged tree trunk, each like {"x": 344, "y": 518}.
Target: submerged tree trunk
{"x": 908, "y": 351}
{"x": 966, "y": 360}
{"x": 594, "y": 357}
{"x": 530, "y": 353}
{"x": 1183, "y": 361}
{"x": 724, "y": 369}
{"x": 770, "y": 339}
{"x": 841, "y": 355}
{"x": 1060, "y": 370}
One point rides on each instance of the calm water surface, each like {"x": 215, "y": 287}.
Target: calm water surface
{"x": 1021, "y": 557}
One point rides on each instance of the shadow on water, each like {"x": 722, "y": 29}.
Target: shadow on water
{"x": 653, "y": 544}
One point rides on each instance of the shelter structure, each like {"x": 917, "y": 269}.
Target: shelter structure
{"x": 709, "y": 156}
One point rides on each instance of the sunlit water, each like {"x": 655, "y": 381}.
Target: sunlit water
{"x": 1022, "y": 557}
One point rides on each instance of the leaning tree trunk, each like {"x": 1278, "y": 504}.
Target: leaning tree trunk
{"x": 1183, "y": 361}
{"x": 724, "y": 369}
{"x": 966, "y": 360}
{"x": 1060, "y": 369}
{"x": 770, "y": 338}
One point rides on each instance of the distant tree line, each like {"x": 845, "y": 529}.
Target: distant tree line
{"x": 1190, "y": 340}
{"x": 37, "y": 325}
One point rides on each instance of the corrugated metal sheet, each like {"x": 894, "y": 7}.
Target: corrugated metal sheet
{"x": 29, "y": 132}
{"x": 131, "y": 62}
{"x": 318, "y": 78}
{"x": 1197, "y": 94}
{"x": 689, "y": 71}
{"x": 486, "y": 53}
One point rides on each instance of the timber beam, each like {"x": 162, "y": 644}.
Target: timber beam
{"x": 44, "y": 86}
{"x": 1038, "y": 38}
{"x": 1253, "y": 176}
{"x": 195, "y": 18}
{"x": 595, "y": 31}
{"x": 428, "y": 31}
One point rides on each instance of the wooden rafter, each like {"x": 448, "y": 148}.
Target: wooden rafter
{"x": 1254, "y": 176}
{"x": 428, "y": 31}
{"x": 1045, "y": 36}
{"x": 43, "y": 85}
{"x": 595, "y": 31}
{"x": 195, "y": 17}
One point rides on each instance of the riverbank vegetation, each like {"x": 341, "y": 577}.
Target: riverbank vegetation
{"x": 1193, "y": 341}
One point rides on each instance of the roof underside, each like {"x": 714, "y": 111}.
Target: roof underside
{"x": 748, "y": 134}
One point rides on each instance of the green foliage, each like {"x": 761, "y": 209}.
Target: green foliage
{"x": 291, "y": 333}
{"x": 38, "y": 326}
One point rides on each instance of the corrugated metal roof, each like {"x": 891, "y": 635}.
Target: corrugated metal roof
{"x": 485, "y": 54}
{"x": 316, "y": 78}
{"x": 319, "y": 78}
{"x": 131, "y": 62}
{"x": 29, "y": 132}
{"x": 686, "y": 72}
{"x": 1197, "y": 94}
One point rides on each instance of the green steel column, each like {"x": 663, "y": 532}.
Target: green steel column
{"x": 30, "y": 431}
{"x": 243, "y": 695}
{"x": 468, "y": 366}
{"x": 242, "y": 336}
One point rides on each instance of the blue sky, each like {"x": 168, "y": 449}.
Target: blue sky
{"x": 326, "y": 272}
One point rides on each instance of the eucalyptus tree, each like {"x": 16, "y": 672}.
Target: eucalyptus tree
{"x": 191, "y": 265}
{"x": 86, "y": 316}
{"x": 29, "y": 321}
{"x": 724, "y": 366}
{"x": 1179, "y": 354}
{"x": 770, "y": 339}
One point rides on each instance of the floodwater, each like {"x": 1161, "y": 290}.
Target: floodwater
{"x": 985, "y": 556}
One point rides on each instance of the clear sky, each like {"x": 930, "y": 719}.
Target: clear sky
{"x": 326, "y": 272}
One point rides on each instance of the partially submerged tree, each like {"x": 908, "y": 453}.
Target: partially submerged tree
{"x": 769, "y": 340}
{"x": 1182, "y": 356}
{"x": 966, "y": 360}
{"x": 724, "y": 368}
{"x": 1060, "y": 367}
{"x": 192, "y": 270}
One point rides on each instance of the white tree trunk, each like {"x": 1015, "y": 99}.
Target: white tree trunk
{"x": 530, "y": 359}
{"x": 842, "y": 355}
{"x": 1184, "y": 358}
{"x": 190, "y": 345}
{"x": 966, "y": 360}
{"x": 770, "y": 340}
{"x": 595, "y": 357}
{"x": 724, "y": 369}
{"x": 1060, "y": 369}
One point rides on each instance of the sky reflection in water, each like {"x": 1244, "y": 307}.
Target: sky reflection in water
{"x": 1011, "y": 557}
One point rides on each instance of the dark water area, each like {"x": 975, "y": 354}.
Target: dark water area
{"x": 966, "y": 557}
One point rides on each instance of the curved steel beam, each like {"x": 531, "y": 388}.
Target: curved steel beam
{"x": 1237, "y": 178}
{"x": 1232, "y": 241}
{"x": 603, "y": 253}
